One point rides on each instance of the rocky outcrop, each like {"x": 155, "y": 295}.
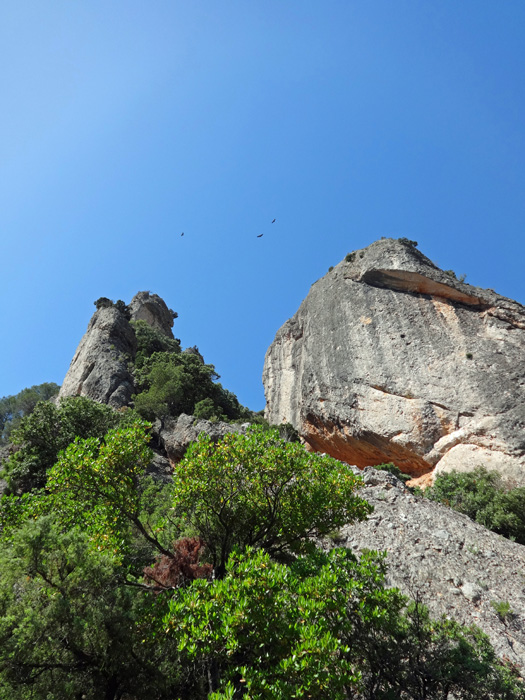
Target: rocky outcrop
{"x": 99, "y": 369}
{"x": 457, "y": 567}
{"x": 391, "y": 359}
{"x": 176, "y": 434}
{"x": 151, "y": 308}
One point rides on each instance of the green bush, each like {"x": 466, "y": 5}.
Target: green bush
{"x": 14, "y": 408}
{"x": 407, "y": 241}
{"x": 77, "y": 618}
{"x": 105, "y": 303}
{"x": 150, "y": 340}
{"x": 261, "y": 491}
{"x": 174, "y": 383}
{"x": 48, "y": 430}
{"x": 391, "y": 468}
{"x": 482, "y": 496}
{"x": 326, "y": 627}
{"x": 503, "y": 609}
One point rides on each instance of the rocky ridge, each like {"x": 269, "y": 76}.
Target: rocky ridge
{"x": 455, "y": 566}
{"x": 99, "y": 369}
{"x": 390, "y": 358}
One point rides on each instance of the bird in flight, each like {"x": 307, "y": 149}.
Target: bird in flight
{"x": 273, "y": 222}
{"x": 182, "y": 234}
{"x": 260, "y": 235}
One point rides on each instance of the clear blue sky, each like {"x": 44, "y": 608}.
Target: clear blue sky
{"x": 124, "y": 123}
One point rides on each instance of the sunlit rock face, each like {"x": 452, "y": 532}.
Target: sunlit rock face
{"x": 151, "y": 308}
{"x": 390, "y": 358}
{"x": 99, "y": 369}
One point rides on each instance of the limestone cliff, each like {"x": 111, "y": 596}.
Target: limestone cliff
{"x": 151, "y": 308}
{"x": 99, "y": 369}
{"x": 391, "y": 359}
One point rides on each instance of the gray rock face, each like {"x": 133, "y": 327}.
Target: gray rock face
{"x": 391, "y": 359}
{"x": 99, "y": 369}
{"x": 152, "y": 309}
{"x": 176, "y": 434}
{"x": 459, "y": 568}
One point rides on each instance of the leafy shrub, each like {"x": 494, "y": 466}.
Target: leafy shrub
{"x": 407, "y": 241}
{"x": 78, "y": 618}
{"x": 14, "y": 408}
{"x": 207, "y": 410}
{"x": 171, "y": 384}
{"x": 482, "y": 496}
{"x": 350, "y": 257}
{"x": 391, "y": 468}
{"x": 50, "y": 429}
{"x": 150, "y": 340}
{"x": 326, "y": 627}
{"x": 105, "y": 303}
{"x": 258, "y": 490}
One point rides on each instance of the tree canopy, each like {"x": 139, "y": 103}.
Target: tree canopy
{"x": 482, "y": 495}
{"x": 213, "y": 586}
{"x": 14, "y": 408}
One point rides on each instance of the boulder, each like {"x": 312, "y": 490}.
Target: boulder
{"x": 151, "y": 308}
{"x": 453, "y": 565}
{"x": 390, "y": 358}
{"x": 99, "y": 369}
{"x": 176, "y": 434}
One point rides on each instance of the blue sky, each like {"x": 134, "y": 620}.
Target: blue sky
{"x": 125, "y": 123}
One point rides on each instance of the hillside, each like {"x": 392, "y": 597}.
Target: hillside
{"x": 389, "y": 359}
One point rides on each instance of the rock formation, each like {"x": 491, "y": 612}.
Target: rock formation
{"x": 456, "y": 567}
{"x": 99, "y": 369}
{"x": 176, "y": 434}
{"x": 391, "y": 359}
{"x": 151, "y": 308}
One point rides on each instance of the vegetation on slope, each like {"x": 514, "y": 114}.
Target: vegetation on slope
{"x": 14, "y": 408}
{"x": 170, "y": 382}
{"x": 41, "y": 435}
{"x": 212, "y": 587}
{"x": 482, "y": 495}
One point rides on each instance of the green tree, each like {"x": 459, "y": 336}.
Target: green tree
{"x": 14, "y": 408}
{"x": 482, "y": 496}
{"x": 50, "y": 429}
{"x": 96, "y": 483}
{"x": 77, "y": 618}
{"x": 150, "y": 341}
{"x": 326, "y": 627}
{"x": 72, "y": 628}
{"x": 171, "y": 383}
{"x": 258, "y": 490}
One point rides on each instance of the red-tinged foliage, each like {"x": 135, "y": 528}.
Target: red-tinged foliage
{"x": 179, "y": 569}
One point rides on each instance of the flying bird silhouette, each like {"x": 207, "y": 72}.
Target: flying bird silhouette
{"x": 182, "y": 234}
{"x": 260, "y": 235}
{"x": 273, "y": 222}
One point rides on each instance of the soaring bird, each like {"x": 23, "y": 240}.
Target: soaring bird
{"x": 260, "y": 235}
{"x": 182, "y": 234}
{"x": 273, "y": 222}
